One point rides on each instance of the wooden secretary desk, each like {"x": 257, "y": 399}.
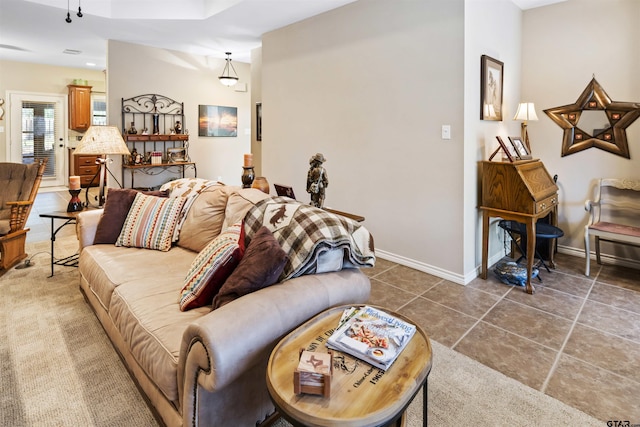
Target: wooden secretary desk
{"x": 521, "y": 191}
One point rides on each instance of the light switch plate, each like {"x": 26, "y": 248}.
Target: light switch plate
{"x": 446, "y": 132}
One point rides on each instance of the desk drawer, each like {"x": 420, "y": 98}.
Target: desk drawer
{"x": 87, "y": 170}
{"x": 546, "y": 204}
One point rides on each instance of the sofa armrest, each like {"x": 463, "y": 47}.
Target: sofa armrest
{"x": 219, "y": 347}
{"x": 86, "y": 226}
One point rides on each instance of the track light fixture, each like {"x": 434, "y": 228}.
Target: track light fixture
{"x": 226, "y": 78}
{"x": 79, "y": 14}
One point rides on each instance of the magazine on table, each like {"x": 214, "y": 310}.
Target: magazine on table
{"x": 371, "y": 335}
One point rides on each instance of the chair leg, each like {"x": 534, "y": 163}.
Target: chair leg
{"x": 598, "y": 260}
{"x": 587, "y": 253}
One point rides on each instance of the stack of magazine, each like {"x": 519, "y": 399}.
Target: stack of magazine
{"x": 371, "y": 335}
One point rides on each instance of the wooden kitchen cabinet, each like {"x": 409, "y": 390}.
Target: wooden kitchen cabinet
{"x": 79, "y": 107}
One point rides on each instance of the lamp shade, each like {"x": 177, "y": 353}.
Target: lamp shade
{"x": 526, "y": 111}
{"x": 102, "y": 140}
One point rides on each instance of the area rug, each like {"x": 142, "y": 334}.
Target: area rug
{"x": 58, "y": 367}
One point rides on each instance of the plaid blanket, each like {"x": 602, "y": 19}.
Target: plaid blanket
{"x": 306, "y": 233}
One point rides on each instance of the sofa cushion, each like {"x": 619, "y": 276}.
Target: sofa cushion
{"x": 260, "y": 266}
{"x": 115, "y": 212}
{"x": 151, "y": 222}
{"x": 211, "y": 267}
{"x": 148, "y": 318}
{"x": 204, "y": 219}
{"x": 240, "y": 201}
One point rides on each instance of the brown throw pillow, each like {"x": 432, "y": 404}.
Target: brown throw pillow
{"x": 261, "y": 265}
{"x": 115, "y": 211}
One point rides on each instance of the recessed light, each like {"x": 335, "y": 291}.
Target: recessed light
{"x": 72, "y": 52}
{"x": 91, "y": 64}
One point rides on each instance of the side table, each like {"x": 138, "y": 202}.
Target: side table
{"x": 361, "y": 395}
{"x": 68, "y": 218}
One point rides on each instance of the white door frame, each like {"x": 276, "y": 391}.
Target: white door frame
{"x": 14, "y": 142}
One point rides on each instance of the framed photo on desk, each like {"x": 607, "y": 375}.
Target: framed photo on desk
{"x": 520, "y": 148}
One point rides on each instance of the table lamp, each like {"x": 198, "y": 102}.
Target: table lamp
{"x": 102, "y": 140}
{"x": 526, "y": 111}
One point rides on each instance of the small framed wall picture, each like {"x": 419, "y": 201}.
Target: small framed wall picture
{"x": 520, "y": 148}
{"x": 491, "y": 83}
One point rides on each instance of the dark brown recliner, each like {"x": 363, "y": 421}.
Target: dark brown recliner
{"x": 19, "y": 185}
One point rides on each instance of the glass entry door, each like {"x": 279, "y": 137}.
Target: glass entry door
{"x": 38, "y": 131}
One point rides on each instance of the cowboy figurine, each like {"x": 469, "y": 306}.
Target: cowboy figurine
{"x": 317, "y": 180}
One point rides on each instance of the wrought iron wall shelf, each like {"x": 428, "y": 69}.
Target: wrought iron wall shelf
{"x": 154, "y": 123}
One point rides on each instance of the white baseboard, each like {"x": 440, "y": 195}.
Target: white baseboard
{"x": 465, "y": 279}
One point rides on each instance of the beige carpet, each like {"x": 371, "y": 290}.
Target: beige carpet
{"x": 59, "y": 369}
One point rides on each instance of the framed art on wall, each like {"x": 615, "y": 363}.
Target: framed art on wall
{"x": 214, "y": 120}
{"x": 491, "y": 83}
{"x": 259, "y": 121}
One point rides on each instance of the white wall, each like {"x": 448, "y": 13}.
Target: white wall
{"x": 369, "y": 85}
{"x": 42, "y": 79}
{"x": 564, "y": 46}
{"x": 493, "y": 28}
{"x": 136, "y": 70}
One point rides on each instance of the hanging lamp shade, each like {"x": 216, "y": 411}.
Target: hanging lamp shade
{"x": 227, "y": 78}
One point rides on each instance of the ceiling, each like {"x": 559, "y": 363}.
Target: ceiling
{"x": 36, "y": 30}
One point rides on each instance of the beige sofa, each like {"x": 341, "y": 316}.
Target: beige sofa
{"x": 199, "y": 367}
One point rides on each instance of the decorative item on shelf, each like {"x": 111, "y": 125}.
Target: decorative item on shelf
{"x": 156, "y": 121}
{"x": 313, "y": 373}
{"x": 178, "y": 128}
{"x": 261, "y": 183}
{"x": 226, "y": 78}
{"x": 132, "y": 130}
{"x": 526, "y": 111}
{"x": 136, "y": 158}
{"x": 145, "y": 131}
{"x": 102, "y": 140}
{"x": 176, "y": 154}
{"x": 317, "y": 180}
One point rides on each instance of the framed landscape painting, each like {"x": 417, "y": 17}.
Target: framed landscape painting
{"x": 214, "y": 120}
{"x": 491, "y": 82}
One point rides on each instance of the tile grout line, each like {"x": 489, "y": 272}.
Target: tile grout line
{"x": 556, "y": 361}
{"x": 480, "y": 319}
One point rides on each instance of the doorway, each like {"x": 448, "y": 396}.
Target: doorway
{"x": 38, "y": 131}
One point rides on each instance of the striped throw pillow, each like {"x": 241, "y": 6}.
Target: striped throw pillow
{"x": 151, "y": 222}
{"x": 211, "y": 268}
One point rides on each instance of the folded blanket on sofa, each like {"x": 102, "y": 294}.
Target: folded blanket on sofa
{"x": 315, "y": 240}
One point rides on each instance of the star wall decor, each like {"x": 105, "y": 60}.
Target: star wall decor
{"x": 611, "y": 136}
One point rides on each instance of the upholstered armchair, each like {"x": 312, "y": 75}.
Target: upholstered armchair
{"x": 19, "y": 185}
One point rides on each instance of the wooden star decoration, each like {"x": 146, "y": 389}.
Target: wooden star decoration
{"x": 612, "y": 138}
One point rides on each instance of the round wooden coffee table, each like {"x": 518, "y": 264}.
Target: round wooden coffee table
{"x": 361, "y": 395}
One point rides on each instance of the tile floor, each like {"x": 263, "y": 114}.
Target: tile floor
{"x": 576, "y": 339}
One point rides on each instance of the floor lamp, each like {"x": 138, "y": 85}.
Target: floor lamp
{"x": 102, "y": 140}
{"x": 526, "y": 111}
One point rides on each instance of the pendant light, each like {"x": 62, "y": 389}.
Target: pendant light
{"x": 226, "y": 78}
{"x": 79, "y": 14}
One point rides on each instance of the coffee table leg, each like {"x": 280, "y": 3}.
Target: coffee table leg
{"x": 425, "y": 393}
